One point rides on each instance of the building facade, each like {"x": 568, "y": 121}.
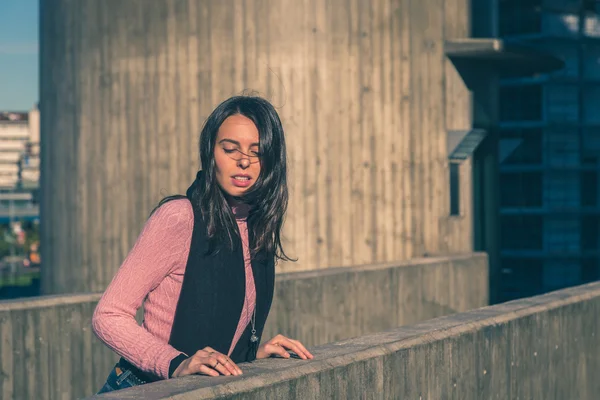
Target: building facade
{"x": 19, "y": 150}
{"x": 549, "y": 150}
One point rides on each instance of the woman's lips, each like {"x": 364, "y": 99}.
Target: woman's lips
{"x": 241, "y": 181}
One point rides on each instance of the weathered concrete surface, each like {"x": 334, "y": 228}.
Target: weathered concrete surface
{"x": 544, "y": 347}
{"x": 324, "y": 306}
{"x": 364, "y": 90}
{"x": 48, "y": 350}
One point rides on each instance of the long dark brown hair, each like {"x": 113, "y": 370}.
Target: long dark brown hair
{"x": 267, "y": 198}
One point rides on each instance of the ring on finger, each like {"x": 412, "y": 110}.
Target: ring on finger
{"x": 216, "y": 365}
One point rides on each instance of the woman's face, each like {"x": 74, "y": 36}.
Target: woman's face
{"x": 236, "y": 155}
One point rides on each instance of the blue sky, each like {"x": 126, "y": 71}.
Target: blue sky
{"x": 18, "y": 54}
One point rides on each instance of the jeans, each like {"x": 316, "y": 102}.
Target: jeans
{"x": 120, "y": 378}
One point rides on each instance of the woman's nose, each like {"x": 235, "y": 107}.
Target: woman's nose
{"x": 244, "y": 162}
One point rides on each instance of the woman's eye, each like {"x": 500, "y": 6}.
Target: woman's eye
{"x": 229, "y": 151}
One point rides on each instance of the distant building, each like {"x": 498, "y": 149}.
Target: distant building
{"x": 14, "y": 134}
{"x": 30, "y": 162}
{"x": 19, "y": 164}
{"x": 549, "y": 151}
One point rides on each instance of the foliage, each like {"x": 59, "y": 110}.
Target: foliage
{"x": 32, "y": 232}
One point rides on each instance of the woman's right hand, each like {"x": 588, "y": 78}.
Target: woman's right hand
{"x": 207, "y": 362}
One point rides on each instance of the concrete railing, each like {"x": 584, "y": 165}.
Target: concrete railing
{"x": 48, "y": 350}
{"x": 545, "y": 347}
{"x": 323, "y": 306}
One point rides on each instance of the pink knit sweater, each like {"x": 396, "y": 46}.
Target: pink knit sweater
{"x": 152, "y": 274}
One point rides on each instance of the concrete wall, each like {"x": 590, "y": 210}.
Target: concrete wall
{"x": 48, "y": 351}
{"x": 546, "y": 347}
{"x": 364, "y": 90}
{"x": 328, "y": 305}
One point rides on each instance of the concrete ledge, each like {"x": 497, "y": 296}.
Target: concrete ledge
{"x": 41, "y": 302}
{"x": 518, "y": 57}
{"x": 333, "y": 304}
{"x": 544, "y": 347}
{"x": 48, "y": 350}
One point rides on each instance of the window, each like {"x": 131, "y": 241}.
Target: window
{"x": 589, "y": 189}
{"x": 521, "y": 103}
{"x": 521, "y": 190}
{"x": 519, "y": 17}
{"x": 563, "y": 103}
{"x": 521, "y": 278}
{"x": 589, "y": 160}
{"x": 590, "y": 233}
{"x": 521, "y": 232}
{"x": 589, "y": 270}
{"x": 454, "y": 189}
{"x": 590, "y": 62}
{"x": 521, "y": 146}
{"x": 591, "y": 7}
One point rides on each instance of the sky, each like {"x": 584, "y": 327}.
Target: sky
{"x": 19, "y": 75}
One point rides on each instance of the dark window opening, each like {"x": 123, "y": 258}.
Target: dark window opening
{"x": 590, "y": 270}
{"x": 521, "y": 103}
{"x": 521, "y": 146}
{"x": 590, "y": 233}
{"x": 520, "y": 17}
{"x": 521, "y": 232}
{"x": 589, "y": 160}
{"x": 521, "y": 190}
{"x": 521, "y": 278}
{"x": 591, "y": 7}
{"x": 454, "y": 189}
{"x": 589, "y": 189}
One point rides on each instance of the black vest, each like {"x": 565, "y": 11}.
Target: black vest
{"x": 213, "y": 292}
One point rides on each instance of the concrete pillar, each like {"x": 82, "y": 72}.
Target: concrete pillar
{"x": 360, "y": 85}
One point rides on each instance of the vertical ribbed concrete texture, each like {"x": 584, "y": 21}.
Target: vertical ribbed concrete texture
{"x": 363, "y": 88}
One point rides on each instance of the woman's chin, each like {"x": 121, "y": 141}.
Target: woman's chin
{"x": 235, "y": 191}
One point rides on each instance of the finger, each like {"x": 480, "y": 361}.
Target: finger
{"x": 206, "y": 370}
{"x": 223, "y": 359}
{"x": 205, "y": 352}
{"x": 276, "y": 349}
{"x": 218, "y": 366}
{"x": 301, "y": 346}
{"x": 196, "y": 363}
{"x": 288, "y": 344}
{"x": 276, "y": 339}
{"x": 229, "y": 364}
{"x": 219, "y": 362}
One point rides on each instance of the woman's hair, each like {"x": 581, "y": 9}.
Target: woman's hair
{"x": 267, "y": 198}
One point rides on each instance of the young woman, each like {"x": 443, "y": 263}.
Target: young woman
{"x": 204, "y": 263}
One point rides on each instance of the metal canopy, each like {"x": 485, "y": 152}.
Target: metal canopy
{"x": 506, "y": 57}
{"x": 462, "y": 144}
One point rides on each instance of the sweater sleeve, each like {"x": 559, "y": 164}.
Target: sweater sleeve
{"x": 162, "y": 245}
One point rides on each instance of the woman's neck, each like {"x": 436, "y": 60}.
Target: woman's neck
{"x": 239, "y": 208}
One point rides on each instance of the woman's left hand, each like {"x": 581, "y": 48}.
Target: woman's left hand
{"x": 279, "y": 344}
